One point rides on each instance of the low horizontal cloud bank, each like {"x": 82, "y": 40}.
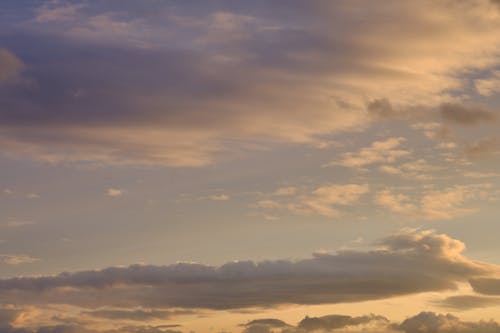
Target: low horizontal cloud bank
{"x": 424, "y": 322}
{"x": 178, "y": 84}
{"x": 136, "y": 315}
{"x": 465, "y": 302}
{"x": 6, "y": 328}
{"x": 408, "y": 262}
{"x": 432, "y": 322}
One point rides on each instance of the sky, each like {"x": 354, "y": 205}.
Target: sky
{"x": 217, "y": 166}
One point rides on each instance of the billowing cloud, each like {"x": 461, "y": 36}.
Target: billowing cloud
{"x": 332, "y": 322}
{"x": 409, "y": 262}
{"x": 438, "y": 323}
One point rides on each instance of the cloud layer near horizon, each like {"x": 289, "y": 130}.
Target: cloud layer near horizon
{"x": 408, "y": 262}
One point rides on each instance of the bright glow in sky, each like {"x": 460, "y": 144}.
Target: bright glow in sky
{"x": 285, "y": 166}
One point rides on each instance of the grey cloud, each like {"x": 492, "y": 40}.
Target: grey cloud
{"x": 180, "y": 84}
{"x": 268, "y": 322}
{"x": 8, "y": 315}
{"x": 310, "y": 324}
{"x": 465, "y": 302}
{"x": 381, "y": 108}
{"x": 483, "y": 148}
{"x": 466, "y": 115}
{"x": 83, "y": 329}
{"x": 138, "y": 315}
{"x": 410, "y": 262}
{"x": 488, "y": 286}
{"x": 429, "y": 322}
{"x": 264, "y": 325}
{"x": 332, "y": 322}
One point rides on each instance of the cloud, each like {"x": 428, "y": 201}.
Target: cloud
{"x": 437, "y": 323}
{"x": 378, "y": 152}
{"x": 10, "y": 65}
{"x": 483, "y": 148}
{"x": 17, "y": 259}
{"x": 382, "y": 108}
{"x": 408, "y": 262}
{"x": 327, "y": 200}
{"x": 219, "y": 197}
{"x": 167, "y": 84}
{"x": 332, "y": 322}
{"x": 488, "y": 86}
{"x": 114, "y": 192}
{"x": 397, "y": 203}
{"x": 74, "y": 328}
{"x": 443, "y": 204}
{"x": 286, "y": 191}
{"x": 466, "y": 302}
{"x": 323, "y": 199}
{"x": 466, "y": 115}
{"x": 326, "y": 323}
{"x": 19, "y": 223}
{"x": 488, "y": 286}
{"x": 418, "y": 169}
{"x": 136, "y": 315}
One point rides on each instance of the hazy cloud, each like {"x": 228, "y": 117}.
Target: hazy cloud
{"x": 10, "y": 65}
{"x": 466, "y": 115}
{"x": 465, "y": 302}
{"x": 173, "y": 94}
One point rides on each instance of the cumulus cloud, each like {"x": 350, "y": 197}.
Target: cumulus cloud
{"x": 424, "y": 322}
{"x": 332, "y": 322}
{"x": 408, "y": 262}
{"x": 438, "y": 323}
